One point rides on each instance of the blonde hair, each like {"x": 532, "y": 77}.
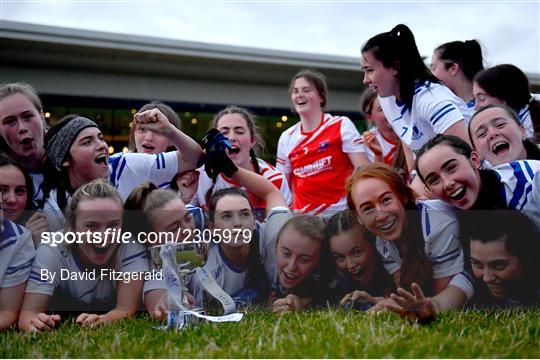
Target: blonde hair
{"x": 21, "y": 88}
{"x": 310, "y": 225}
{"x": 96, "y": 189}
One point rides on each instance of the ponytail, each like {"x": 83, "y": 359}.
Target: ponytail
{"x": 468, "y": 55}
{"x": 397, "y": 49}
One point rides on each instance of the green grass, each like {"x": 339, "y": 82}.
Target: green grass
{"x": 314, "y": 334}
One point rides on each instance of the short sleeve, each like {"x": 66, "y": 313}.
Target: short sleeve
{"x": 276, "y": 218}
{"x": 464, "y": 282}
{"x": 19, "y": 260}
{"x": 439, "y": 108}
{"x": 444, "y": 250}
{"x": 351, "y": 141}
{"x": 46, "y": 271}
{"x": 133, "y": 258}
{"x": 283, "y": 163}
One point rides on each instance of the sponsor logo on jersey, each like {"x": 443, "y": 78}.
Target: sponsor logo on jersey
{"x": 314, "y": 168}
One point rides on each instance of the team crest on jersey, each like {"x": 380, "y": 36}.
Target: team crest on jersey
{"x": 416, "y": 134}
{"x": 323, "y": 146}
{"x": 219, "y": 270}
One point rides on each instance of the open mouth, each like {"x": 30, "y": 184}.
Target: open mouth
{"x": 388, "y": 226}
{"x": 100, "y": 249}
{"x": 101, "y": 159}
{"x": 289, "y": 278}
{"x": 148, "y": 148}
{"x": 357, "y": 274}
{"x": 301, "y": 102}
{"x": 458, "y": 194}
{"x": 26, "y": 141}
{"x": 500, "y": 148}
{"x": 234, "y": 150}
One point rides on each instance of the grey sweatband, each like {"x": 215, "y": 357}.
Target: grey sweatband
{"x": 58, "y": 145}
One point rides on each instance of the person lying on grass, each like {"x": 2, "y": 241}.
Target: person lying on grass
{"x": 95, "y": 207}
{"x": 16, "y": 255}
{"x": 358, "y": 267}
{"x": 504, "y": 249}
{"x": 300, "y": 256}
{"x": 417, "y": 240}
{"x": 243, "y": 266}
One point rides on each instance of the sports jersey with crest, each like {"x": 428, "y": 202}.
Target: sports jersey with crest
{"x": 318, "y": 163}
{"x": 434, "y": 109}
{"x": 222, "y": 182}
{"x": 232, "y": 279}
{"x": 440, "y": 229}
{"x": 388, "y": 148}
{"x": 76, "y": 289}
{"x": 16, "y": 254}
{"x": 126, "y": 171}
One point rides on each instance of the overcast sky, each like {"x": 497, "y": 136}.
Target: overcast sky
{"x": 508, "y": 30}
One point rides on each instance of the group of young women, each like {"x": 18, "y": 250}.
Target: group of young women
{"x": 376, "y": 221}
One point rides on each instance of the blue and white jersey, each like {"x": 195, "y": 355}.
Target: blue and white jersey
{"x": 17, "y": 253}
{"x": 126, "y": 172}
{"x": 524, "y": 116}
{"x": 434, "y": 109}
{"x": 37, "y": 181}
{"x": 440, "y": 229}
{"x": 230, "y": 278}
{"x": 61, "y": 262}
{"x": 129, "y": 170}
{"x": 470, "y": 109}
{"x": 199, "y": 216}
{"x": 521, "y": 187}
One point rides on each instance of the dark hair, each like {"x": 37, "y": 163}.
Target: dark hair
{"x": 254, "y": 131}
{"x": 416, "y": 266}
{"x": 52, "y": 178}
{"x": 317, "y": 79}
{"x": 6, "y": 160}
{"x": 516, "y": 229}
{"x": 256, "y": 276}
{"x": 508, "y": 83}
{"x": 169, "y": 113}
{"x": 397, "y": 49}
{"x": 458, "y": 144}
{"x": 467, "y": 54}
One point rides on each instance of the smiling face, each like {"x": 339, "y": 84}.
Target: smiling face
{"x": 377, "y": 118}
{"x": 305, "y": 97}
{"x": 497, "y": 268}
{"x": 14, "y": 191}
{"x": 378, "y": 208}
{"x": 482, "y": 97}
{"x": 234, "y": 212}
{"x": 149, "y": 142}
{"x": 21, "y": 126}
{"x": 236, "y": 129}
{"x": 297, "y": 257}
{"x": 384, "y": 81}
{"x": 89, "y": 157}
{"x": 96, "y": 216}
{"x": 450, "y": 176}
{"x": 497, "y": 137}
{"x": 354, "y": 256}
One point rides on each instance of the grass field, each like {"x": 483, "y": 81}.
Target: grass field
{"x": 485, "y": 334}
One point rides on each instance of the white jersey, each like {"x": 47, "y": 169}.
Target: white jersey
{"x": 222, "y": 182}
{"x": 126, "y": 171}
{"x": 440, "y": 229}
{"x": 227, "y": 276}
{"x": 61, "y": 261}
{"x": 470, "y": 109}
{"x": 434, "y": 109}
{"x": 521, "y": 182}
{"x": 318, "y": 164}
{"x": 37, "y": 181}
{"x": 388, "y": 148}
{"x": 525, "y": 119}
{"x": 16, "y": 254}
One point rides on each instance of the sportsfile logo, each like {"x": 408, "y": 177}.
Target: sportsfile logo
{"x": 314, "y": 168}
